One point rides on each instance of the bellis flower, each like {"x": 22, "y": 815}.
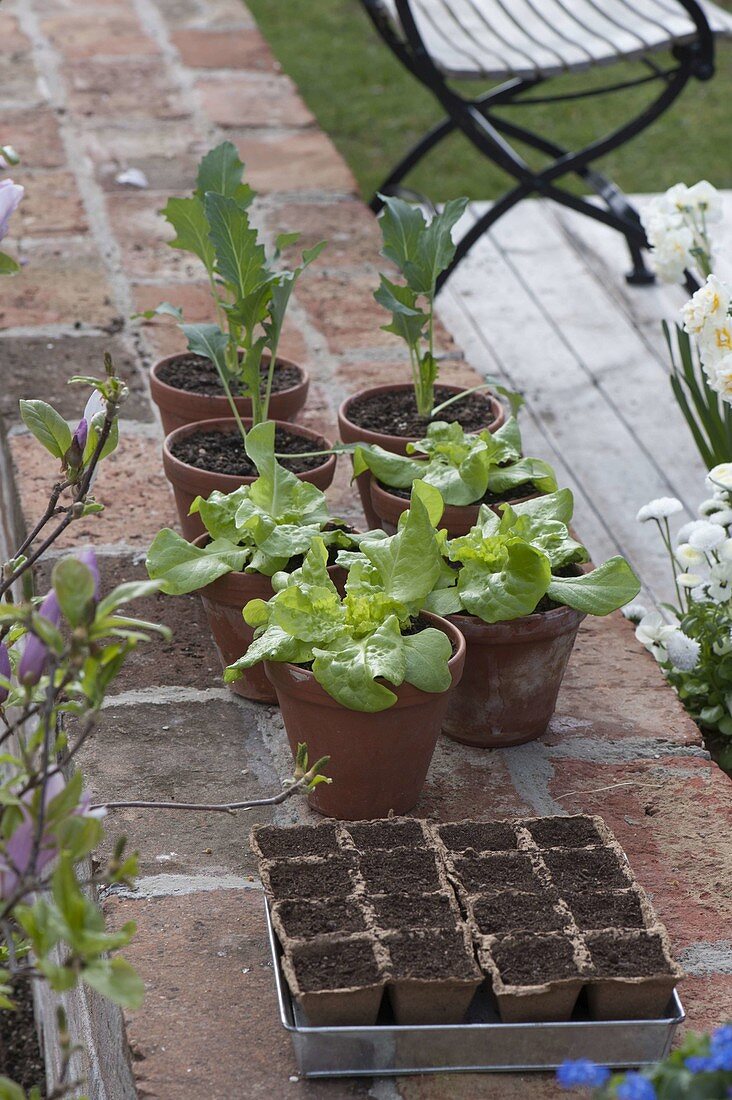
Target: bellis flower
{"x": 661, "y": 508}
{"x": 683, "y": 651}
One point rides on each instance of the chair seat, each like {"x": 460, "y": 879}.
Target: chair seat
{"x": 497, "y": 39}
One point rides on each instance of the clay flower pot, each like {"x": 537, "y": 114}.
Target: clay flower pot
{"x": 189, "y": 482}
{"x": 178, "y": 407}
{"x": 378, "y": 762}
{"x": 457, "y": 519}
{"x": 350, "y": 432}
{"x": 513, "y": 672}
{"x": 223, "y": 601}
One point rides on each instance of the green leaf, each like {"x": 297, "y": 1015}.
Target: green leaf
{"x": 188, "y": 219}
{"x": 554, "y": 506}
{"x": 73, "y": 584}
{"x": 210, "y": 342}
{"x": 408, "y": 320}
{"x": 182, "y": 567}
{"x": 605, "y": 589}
{"x": 510, "y": 589}
{"x": 221, "y": 171}
{"x": 402, "y": 225}
{"x": 240, "y": 258}
{"x": 48, "y": 426}
{"x": 8, "y": 266}
{"x": 408, "y": 563}
{"x": 117, "y": 981}
{"x": 9, "y": 1090}
{"x": 435, "y": 248}
{"x": 427, "y": 654}
{"x": 125, "y": 593}
{"x": 165, "y": 309}
{"x": 348, "y": 671}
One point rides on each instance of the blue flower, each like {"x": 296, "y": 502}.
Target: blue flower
{"x": 635, "y": 1087}
{"x": 582, "y": 1074}
{"x": 698, "y": 1064}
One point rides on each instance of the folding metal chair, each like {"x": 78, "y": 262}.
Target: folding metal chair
{"x": 523, "y": 44}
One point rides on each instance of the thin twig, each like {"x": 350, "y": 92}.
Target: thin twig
{"x": 220, "y": 807}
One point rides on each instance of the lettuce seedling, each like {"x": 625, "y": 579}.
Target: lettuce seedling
{"x": 355, "y": 642}
{"x": 464, "y": 467}
{"x": 258, "y": 528}
{"x": 508, "y": 564}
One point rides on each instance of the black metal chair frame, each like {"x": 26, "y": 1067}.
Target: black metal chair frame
{"x": 489, "y": 133}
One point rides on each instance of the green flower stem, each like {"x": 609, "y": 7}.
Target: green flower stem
{"x": 463, "y": 393}
{"x": 674, "y": 565}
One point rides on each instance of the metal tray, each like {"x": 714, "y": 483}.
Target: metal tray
{"x": 481, "y": 1043}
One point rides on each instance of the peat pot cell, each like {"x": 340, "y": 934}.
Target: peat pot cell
{"x": 302, "y": 840}
{"x": 499, "y": 914}
{"x": 403, "y": 871}
{"x": 488, "y": 874}
{"x": 481, "y": 836}
{"x": 338, "y": 983}
{"x": 634, "y": 975}
{"x": 386, "y": 834}
{"x": 406, "y": 911}
{"x": 564, "y": 832}
{"x": 606, "y": 909}
{"x": 433, "y": 976}
{"x": 586, "y": 869}
{"x": 303, "y": 920}
{"x": 537, "y": 977}
{"x": 316, "y": 878}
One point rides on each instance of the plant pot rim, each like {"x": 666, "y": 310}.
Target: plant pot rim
{"x": 228, "y": 425}
{"x": 166, "y": 388}
{"x": 373, "y": 437}
{"x": 532, "y": 627}
{"x": 407, "y": 694}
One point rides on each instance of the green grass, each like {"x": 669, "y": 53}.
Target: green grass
{"x": 374, "y": 110}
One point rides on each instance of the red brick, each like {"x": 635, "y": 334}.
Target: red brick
{"x": 294, "y": 162}
{"x": 165, "y": 151}
{"x": 78, "y": 37}
{"x": 51, "y": 204}
{"x": 36, "y": 137}
{"x": 350, "y": 229}
{"x": 341, "y": 305}
{"x": 142, "y": 234}
{"x": 193, "y": 298}
{"x": 230, "y": 49}
{"x": 14, "y": 41}
{"x": 105, "y": 90}
{"x": 238, "y": 99}
{"x": 61, "y": 283}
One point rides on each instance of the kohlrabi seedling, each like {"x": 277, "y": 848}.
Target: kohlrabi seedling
{"x": 258, "y": 528}
{"x": 464, "y": 467}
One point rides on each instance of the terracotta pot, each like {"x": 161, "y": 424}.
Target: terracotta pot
{"x": 189, "y": 482}
{"x": 458, "y": 519}
{"x": 223, "y": 601}
{"x": 378, "y": 762}
{"x": 513, "y": 672}
{"x": 178, "y": 407}
{"x": 351, "y": 432}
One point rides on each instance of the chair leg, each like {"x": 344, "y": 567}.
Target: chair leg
{"x": 496, "y": 211}
{"x": 640, "y": 274}
{"x": 408, "y": 162}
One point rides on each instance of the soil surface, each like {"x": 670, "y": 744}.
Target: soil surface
{"x": 196, "y": 374}
{"x": 335, "y": 964}
{"x": 304, "y": 919}
{"x": 396, "y": 413}
{"x": 627, "y": 956}
{"x": 482, "y": 836}
{"x": 386, "y": 834}
{"x": 401, "y": 871}
{"x": 223, "y": 452}
{"x": 590, "y": 868}
{"x": 519, "y": 492}
{"x": 302, "y": 840}
{"x": 564, "y": 832}
{"x": 532, "y": 960}
{"x": 606, "y": 909}
{"x": 440, "y": 954}
{"x": 513, "y": 912}
{"x": 294, "y": 879}
{"x": 495, "y": 873}
{"x": 400, "y": 911}
{"x": 20, "y": 1055}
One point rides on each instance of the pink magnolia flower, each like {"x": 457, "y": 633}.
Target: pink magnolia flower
{"x": 5, "y": 670}
{"x": 89, "y": 559}
{"x": 35, "y": 652}
{"x": 10, "y": 195}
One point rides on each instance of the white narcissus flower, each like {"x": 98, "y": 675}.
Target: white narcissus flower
{"x": 715, "y": 341}
{"x": 705, "y": 197}
{"x": 652, "y": 632}
{"x": 720, "y": 477}
{"x": 683, "y": 651}
{"x": 672, "y": 255}
{"x": 661, "y": 508}
{"x": 710, "y": 303}
{"x": 688, "y": 555}
{"x": 706, "y": 536}
{"x": 720, "y": 377}
{"x": 689, "y": 580}
{"x": 10, "y": 196}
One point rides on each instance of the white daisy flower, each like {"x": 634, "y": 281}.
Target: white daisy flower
{"x": 723, "y": 518}
{"x": 720, "y": 477}
{"x": 688, "y": 556}
{"x": 708, "y": 507}
{"x": 689, "y": 580}
{"x": 661, "y": 508}
{"x": 652, "y": 632}
{"x": 635, "y": 612}
{"x": 683, "y": 651}
{"x": 724, "y": 553}
{"x": 706, "y": 536}
{"x": 719, "y": 588}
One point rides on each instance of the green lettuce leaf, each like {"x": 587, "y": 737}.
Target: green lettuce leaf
{"x": 599, "y": 592}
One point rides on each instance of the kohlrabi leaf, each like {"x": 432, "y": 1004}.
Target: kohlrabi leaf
{"x": 221, "y": 171}
{"x": 508, "y": 587}
{"x": 240, "y": 259}
{"x": 349, "y": 669}
{"x": 402, "y": 224}
{"x": 605, "y": 589}
{"x": 408, "y": 319}
{"x": 427, "y": 654}
{"x": 210, "y": 342}
{"x": 188, "y": 219}
{"x": 182, "y": 567}
{"x": 435, "y": 248}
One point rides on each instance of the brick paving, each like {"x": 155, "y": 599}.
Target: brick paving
{"x": 92, "y": 89}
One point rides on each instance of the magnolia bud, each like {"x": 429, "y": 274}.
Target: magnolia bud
{"x": 35, "y": 652}
{"x": 89, "y": 559}
{"x": 5, "y": 671}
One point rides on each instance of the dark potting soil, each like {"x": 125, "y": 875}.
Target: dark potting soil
{"x": 223, "y": 452}
{"x": 196, "y": 374}
{"x": 335, "y": 964}
{"x": 405, "y": 911}
{"x": 20, "y": 1054}
{"x": 302, "y": 840}
{"x": 514, "y": 912}
{"x": 293, "y": 878}
{"x": 495, "y": 873}
{"x": 519, "y": 492}
{"x": 635, "y": 956}
{"x": 564, "y": 832}
{"x": 606, "y": 909}
{"x": 439, "y": 954}
{"x": 307, "y": 919}
{"x": 527, "y": 959}
{"x": 400, "y": 871}
{"x": 386, "y": 834}
{"x": 586, "y": 868}
{"x": 482, "y": 836}
{"x": 396, "y": 413}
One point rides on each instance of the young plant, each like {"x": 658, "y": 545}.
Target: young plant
{"x": 250, "y": 295}
{"x": 464, "y": 467}
{"x": 422, "y": 251}
{"x": 509, "y": 564}
{"x": 258, "y": 528}
{"x": 355, "y": 641}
